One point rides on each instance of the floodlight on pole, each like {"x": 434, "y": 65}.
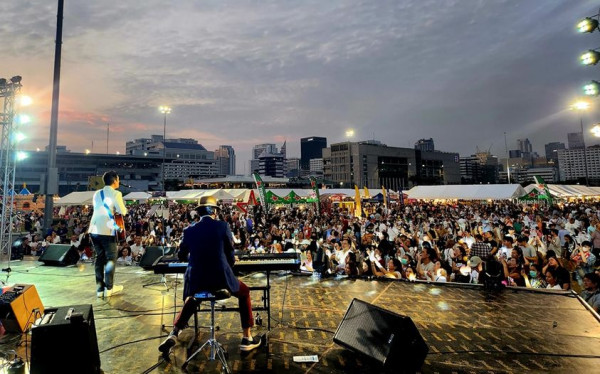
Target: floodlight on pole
{"x": 592, "y": 88}
{"x": 164, "y": 109}
{"x": 596, "y": 130}
{"x": 587, "y": 24}
{"x": 591, "y": 57}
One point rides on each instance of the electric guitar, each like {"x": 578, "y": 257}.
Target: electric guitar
{"x": 119, "y": 221}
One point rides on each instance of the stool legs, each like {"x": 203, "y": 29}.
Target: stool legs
{"x": 216, "y": 349}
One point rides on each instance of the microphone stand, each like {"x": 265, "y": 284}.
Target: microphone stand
{"x": 163, "y": 277}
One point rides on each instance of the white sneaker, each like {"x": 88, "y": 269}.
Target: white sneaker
{"x": 99, "y": 293}
{"x": 115, "y": 290}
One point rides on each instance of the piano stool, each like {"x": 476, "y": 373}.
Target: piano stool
{"x": 216, "y": 349}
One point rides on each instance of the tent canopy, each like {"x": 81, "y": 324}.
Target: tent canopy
{"x": 76, "y": 198}
{"x": 138, "y": 195}
{"x": 467, "y": 192}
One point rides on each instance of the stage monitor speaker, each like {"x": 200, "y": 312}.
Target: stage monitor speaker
{"x": 20, "y": 305}
{"x": 151, "y": 254}
{"x": 59, "y": 255}
{"x": 64, "y": 341}
{"x": 389, "y": 338}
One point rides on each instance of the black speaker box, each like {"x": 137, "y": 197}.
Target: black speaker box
{"x": 386, "y": 337}
{"x": 152, "y": 254}
{"x": 59, "y": 255}
{"x": 64, "y": 341}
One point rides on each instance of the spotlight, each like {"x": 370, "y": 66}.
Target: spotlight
{"x": 25, "y": 100}
{"x": 24, "y": 119}
{"x": 2, "y": 82}
{"x": 590, "y": 57}
{"x": 21, "y": 156}
{"x": 19, "y": 137}
{"x": 16, "y": 79}
{"x": 592, "y": 88}
{"x": 587, "y": 25}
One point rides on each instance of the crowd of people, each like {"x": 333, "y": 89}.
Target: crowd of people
{"x": 495, "y": 243}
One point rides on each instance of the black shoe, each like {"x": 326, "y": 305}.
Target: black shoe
{"x": 247, "y": 345}
{"x": 167, "y": 344}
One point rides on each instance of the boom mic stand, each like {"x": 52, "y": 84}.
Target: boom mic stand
{"x": 163, "y": 277}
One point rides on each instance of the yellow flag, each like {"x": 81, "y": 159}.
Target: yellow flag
{"x": 367, "y": 194}
{"x": 357, "y": 204}
{"x": 384, "y": 196}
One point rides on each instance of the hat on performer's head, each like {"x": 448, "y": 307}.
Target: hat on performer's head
{"x": 207, "y": 201}
{"x": 207, "y": 206}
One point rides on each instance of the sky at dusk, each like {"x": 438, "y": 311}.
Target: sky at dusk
{"x": 247, "y": 72}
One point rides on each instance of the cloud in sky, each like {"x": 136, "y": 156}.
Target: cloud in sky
{"x": 244, "y": 72}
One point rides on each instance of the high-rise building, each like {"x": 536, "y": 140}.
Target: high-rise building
{"x": 292, "y": 167}
{"x": 268, "y": 161}
{"x": 225, "y": 156}
{"x": 271, "y": 165}
{"x": 552, "y": 150}
{"x": 524, "y": 145}
{"x": 572, "y": 163}
{"x": 373, "y": 165}
{"x": 316, "y": 166}
{"x": 481, "y": 167}
{"x": 425, "y": 145}
{"x": 575, "y": 140}
{"x": 311, "y": 147}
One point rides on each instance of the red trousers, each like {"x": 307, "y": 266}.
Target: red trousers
{"x": 245, "y": 304}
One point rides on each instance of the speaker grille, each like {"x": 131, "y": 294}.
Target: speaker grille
{"x": 367, "y": 329}
{"x": 382, "y": 335}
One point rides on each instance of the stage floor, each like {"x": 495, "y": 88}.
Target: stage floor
{"x": 466, "y": 329}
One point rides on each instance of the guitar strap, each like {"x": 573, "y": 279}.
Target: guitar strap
{"x": 110, "y": 215}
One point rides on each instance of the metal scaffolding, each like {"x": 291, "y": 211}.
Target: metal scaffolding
{"x": 9, "y": 90}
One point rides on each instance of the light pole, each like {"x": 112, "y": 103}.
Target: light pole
{"x": 581, "y": 106}
{"x": 164, "y": 110}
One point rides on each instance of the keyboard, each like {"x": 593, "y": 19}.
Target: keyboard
{"x": 246, "y": 263}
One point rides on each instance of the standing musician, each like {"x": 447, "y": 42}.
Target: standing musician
{"x": 211, "y": 257}
{"x": 103, "y": 230}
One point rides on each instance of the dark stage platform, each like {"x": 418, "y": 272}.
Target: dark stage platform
{"x": 466, "y": 329}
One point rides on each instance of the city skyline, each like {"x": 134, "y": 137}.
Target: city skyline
{"x": 461, "y": 73}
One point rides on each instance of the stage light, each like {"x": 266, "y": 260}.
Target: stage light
{"x": 19, "y": 137}
{"x": 25, "y": 100}
{"x": 592, "y": 88}
{"x": 596, "y": 130}
{"x": 164, "y": 109}
{"x": 87, "y": 151}
{"x": 590, "y": 57}
{"x": 23, "y": 119}
{"x": 16, "y": 79}
{"x": 2, "y": 82}
{"x": 21, "y": 156}
{"x": 587, "y": 25}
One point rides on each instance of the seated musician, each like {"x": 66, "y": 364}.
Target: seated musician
{"x": 208, "y": 247}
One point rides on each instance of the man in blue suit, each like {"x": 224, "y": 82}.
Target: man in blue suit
{"x": 208, "y": 246}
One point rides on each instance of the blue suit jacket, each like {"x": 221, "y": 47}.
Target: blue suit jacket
{"x": 211, "y": 257}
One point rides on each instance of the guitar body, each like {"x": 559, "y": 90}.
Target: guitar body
{"x": 119, "y": 221}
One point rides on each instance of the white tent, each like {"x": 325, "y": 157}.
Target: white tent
{"x": 76, "y": 198}
{"x": 573, "y": 190}
{"x": 467, "y": 192}
{"x": 138, "y": 195}
{"x": 218, "y": 194}
{"x": 184, "y": 194}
